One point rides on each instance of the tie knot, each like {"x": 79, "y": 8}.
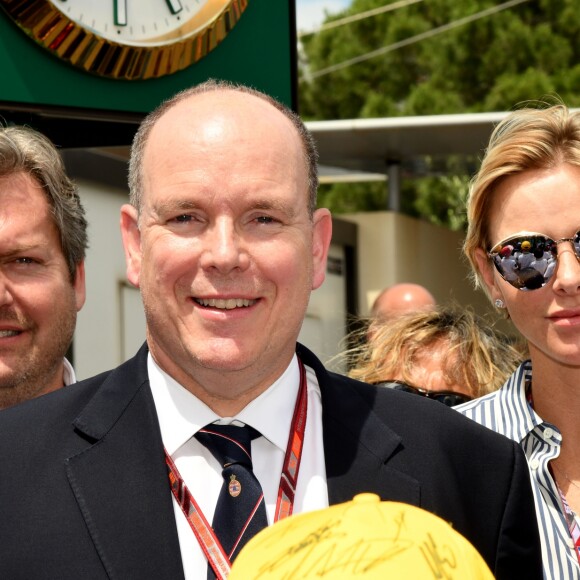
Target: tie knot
{"x": 229, "y": 444}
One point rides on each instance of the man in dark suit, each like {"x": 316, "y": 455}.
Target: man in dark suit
{"x": 220, "y": 412}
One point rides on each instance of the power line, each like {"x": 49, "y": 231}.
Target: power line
{"x": 360, "y": 16}
{"x": 414, "y": 39}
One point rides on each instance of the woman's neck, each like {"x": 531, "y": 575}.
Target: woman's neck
{"x": 556, "y": 393}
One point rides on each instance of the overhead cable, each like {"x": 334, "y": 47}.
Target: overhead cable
{"x": 413, "y": 39}
{"x": 360, "y": 16}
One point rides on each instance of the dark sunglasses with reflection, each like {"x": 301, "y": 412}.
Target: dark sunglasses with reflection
{"x": 527, "y": 260}
{"x": 449, "y": 398}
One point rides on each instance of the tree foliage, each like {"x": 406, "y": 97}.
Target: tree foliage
{"x": 522, "y": 54}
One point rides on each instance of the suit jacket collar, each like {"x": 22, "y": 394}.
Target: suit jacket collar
{"x": 120, "y": 480}
{"x": 359, "y": 447}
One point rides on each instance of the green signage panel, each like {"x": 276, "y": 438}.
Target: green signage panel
{"x": 258, "y": 50}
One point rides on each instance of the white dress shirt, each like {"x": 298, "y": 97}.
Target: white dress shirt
{"x": 181, "y": 415}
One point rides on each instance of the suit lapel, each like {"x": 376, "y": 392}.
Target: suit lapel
{"x": 120, "y": 480}
{"x": 359, "y": 448}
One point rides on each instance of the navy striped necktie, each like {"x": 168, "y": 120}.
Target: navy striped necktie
{"x": 240, "y": 511}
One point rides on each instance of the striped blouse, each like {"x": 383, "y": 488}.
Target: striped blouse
{"x": 507, "y": 412}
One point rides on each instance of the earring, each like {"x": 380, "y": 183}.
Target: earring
{"x": 499, "y": 303}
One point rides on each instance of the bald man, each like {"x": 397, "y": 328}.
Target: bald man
{"x": 402, "y": 298}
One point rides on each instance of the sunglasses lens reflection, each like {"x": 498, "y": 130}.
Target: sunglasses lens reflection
{"x": 528, "y": 262}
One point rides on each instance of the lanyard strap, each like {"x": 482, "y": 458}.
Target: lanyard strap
{"x": 204, "y": 533}
{"x": 206, "y": 538}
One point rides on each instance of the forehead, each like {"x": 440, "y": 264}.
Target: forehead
{"x": 229, "y": 119}
{"x": 541, "y": 200}
{"x": 224, "y": 142}
{"x": 21, "y": 188}
{"x": 23, "y": 205}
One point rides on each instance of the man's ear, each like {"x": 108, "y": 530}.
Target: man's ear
{"x": 131, "y": 242}
{"x": 79, "y": 285}
{"x": 321, "y": 236}
{"x": 486, "y": 268}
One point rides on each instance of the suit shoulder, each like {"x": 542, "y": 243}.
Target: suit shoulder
{"x": 415, "y": 416}
{"x": 52, "y": 405}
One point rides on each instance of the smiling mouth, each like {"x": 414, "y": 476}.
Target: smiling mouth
{"x": 223, "y": 304}
{"x": 7, "y": 333}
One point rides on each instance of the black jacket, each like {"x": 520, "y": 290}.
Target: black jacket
{"x": 84, "y": 491}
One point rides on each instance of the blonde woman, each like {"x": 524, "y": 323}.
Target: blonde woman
{"x": 527, "y": 196}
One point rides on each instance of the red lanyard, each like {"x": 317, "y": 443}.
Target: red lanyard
{"x": 208, "y": 541}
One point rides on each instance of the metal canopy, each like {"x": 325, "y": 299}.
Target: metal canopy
{"x": 372, "y": 145}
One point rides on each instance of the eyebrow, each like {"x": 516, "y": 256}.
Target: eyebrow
{"x": 174, "y": 205}
{"x": 267, "y": 204}
{"x": 168, "y": 206}
{"x": 19, "y": 250}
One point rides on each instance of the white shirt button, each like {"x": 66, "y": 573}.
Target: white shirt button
{"x": 548, "y": 433}
{"x": 534, "y": 464}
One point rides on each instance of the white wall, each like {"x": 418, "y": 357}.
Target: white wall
{"x": 325, "y": 323}
{"x": 397, "y": 248}
{"x": 98, "y": 343}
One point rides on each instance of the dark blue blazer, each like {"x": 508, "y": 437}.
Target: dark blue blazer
{"x": 84, "y": 491}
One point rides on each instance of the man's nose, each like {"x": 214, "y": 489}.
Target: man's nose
{"x": 6, "y": 297}
{"x": 225, "y": 248}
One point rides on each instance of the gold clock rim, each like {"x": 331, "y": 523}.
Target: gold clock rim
{"x": 85, "y": 49}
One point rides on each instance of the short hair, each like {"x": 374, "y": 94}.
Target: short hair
{"x": 23, "y": 149}
{"x": 526, "y": 139}
{"x": 477, "y": 356}
{"x": 142, "y": 136}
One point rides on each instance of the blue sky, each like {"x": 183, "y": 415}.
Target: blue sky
{"x": 310, "y": 13}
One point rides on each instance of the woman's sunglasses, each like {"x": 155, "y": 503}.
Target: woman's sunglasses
{"x": 527, "y": 261}
{"x": 449, "y": 398}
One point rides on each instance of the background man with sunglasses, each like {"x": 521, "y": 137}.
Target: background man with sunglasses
{"x": 220, "y": 410}
{"x": 446, "y": 353}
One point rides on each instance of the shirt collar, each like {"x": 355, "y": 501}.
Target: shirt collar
{"x": 512, "y": 397}
{"x": 68, "y": 374}
{"x": 181, "y": 414}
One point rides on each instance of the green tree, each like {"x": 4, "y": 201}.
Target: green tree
{"x": 521, "y": 54}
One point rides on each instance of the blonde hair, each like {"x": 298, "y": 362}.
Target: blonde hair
{"x": 478, "y": 357}
{"x": 526, "y": 139}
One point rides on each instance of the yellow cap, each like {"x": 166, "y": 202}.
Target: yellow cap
{"x": 362, "y": 538}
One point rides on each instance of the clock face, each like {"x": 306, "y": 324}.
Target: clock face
{"x": 142, "y": 22}
{"x": 129, "y": 39}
